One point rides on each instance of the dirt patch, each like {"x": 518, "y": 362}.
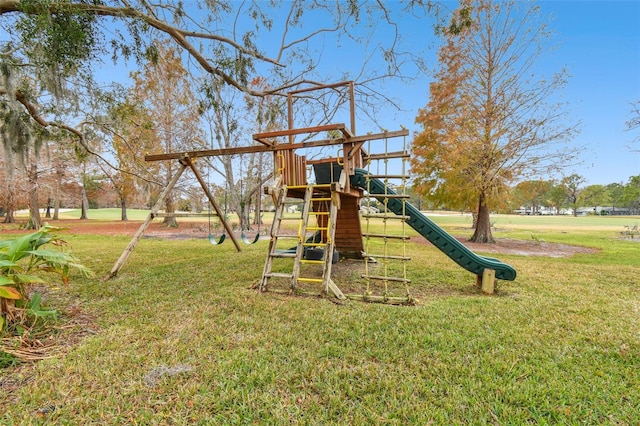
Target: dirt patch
{"x": 521, "y": 247}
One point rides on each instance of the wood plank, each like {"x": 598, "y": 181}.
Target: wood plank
{"x": 488, "y": 281}
{"x": 154, "y": 210}
{"x": 290, "y": 132}
{"x": 272, "y": 148}
{"x": 388, "y": 155}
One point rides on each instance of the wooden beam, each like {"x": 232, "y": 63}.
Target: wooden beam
{"x": 388, "y": 155}
{"x": 383, "y": 135}
{"x": 488, "y": 281}
{"x": 320, "y": 87}
{"x": 207, "y": 153}
{"x": 219, "y": 213}
{"x": 290, "y": 132}
{"x": 355, "y": 148}
{"x": 156, "y": 207}
{"x": 273, "y": 148}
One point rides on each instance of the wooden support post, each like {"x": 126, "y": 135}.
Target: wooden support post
{"x": 335, "y": 290}
{"x": 488, "y": 281}
{"x": 352, "y": 107}
{"x": 132, "y": 244}
{"x": 219, "y": 213}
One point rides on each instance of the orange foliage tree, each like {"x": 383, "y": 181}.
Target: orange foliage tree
{"x": 490, "y": 120}
{"x": 162, "y": 89}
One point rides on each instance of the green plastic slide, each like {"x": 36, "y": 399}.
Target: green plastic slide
{"x": 450, "y": 246}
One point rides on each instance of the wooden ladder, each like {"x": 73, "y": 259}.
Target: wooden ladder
{"x": 313, "y": 195}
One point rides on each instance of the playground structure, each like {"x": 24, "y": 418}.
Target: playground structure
{"x": 335, "y": 201}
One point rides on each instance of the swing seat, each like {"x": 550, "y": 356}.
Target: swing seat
{"x": 213, "y": 241}
{"x": 247, "y": 240}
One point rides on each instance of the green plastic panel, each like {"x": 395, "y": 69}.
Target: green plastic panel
{"x": 445, "y": 242}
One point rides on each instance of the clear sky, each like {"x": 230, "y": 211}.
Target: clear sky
{"x": 599, "y": 42}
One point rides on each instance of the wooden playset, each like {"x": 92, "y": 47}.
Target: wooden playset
{"x": 336, "y": 217}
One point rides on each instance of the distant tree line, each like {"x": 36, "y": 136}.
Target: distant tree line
{"x": 69, "y": 187}
{"x": 568, "y": 194}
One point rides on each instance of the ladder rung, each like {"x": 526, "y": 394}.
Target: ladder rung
{"x": 283, "y": 255}
{"x": 321, "y": 199}
{"x": 382, "y": 278}
{"x": 317, "y": 228}
{"x": 320, "y": 185}
{"x": 390, "y": 196}
{"x": 387, "y": 176}
{"x": 388, "y": 256}
{"x": 310, "y": 280}
{"x": 312, "y": 262}
{"x": 396, "y": 154}
{"x": 393, "y": 237}
{"x": 278, "y": 275}
{"x": 314, "y": 244}
{"x": 385, "y": 216}
{"x": 319, "y": 213}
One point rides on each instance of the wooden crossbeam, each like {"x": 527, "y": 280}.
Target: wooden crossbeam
{"x": 273, "y": 148}
{"x": 261, "y": 137}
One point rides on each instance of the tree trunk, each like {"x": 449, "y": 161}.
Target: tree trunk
{"x": 244, "y": 217}
{"x": 56, "y": 207}
{"x": 10, "y": 208}
{"x": 123, "y": 209}
{"x": 8, "y": 216}
{"x": 56, "y": 201}
{"x": 170, "y": 207}
{"x": 48, "y": 212}
{"x": 85, "y": 204}
{"x": 482, "y": 232}
{"x": 35, "y": 221}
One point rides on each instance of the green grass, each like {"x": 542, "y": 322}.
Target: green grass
{"x": 181, "y": 339}
{"x": 105, "y": 214}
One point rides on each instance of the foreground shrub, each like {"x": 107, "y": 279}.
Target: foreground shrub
{"x": 25, "y": 263}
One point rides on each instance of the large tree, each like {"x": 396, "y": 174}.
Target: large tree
{"x": 631, "y": 194}
{"x": 244, "y": 175}
{"x": 163, "y": 90}
{"x": 230, "y": 41}
{"x": 573, "y": 186}
{"x": 491, "y": 117}
{"x": 595, "y": 195}
{"x": 532, "y": 193}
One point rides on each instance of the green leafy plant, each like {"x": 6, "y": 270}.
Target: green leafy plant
{"x": 23, "y": 260}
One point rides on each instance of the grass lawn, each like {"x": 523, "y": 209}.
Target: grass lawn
{"x": 180, "y": 338}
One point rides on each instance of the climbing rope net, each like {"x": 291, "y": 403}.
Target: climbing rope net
{"x": 385, "y": 233}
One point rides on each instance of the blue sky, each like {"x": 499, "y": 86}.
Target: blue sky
{"x": 599, "y": 42}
